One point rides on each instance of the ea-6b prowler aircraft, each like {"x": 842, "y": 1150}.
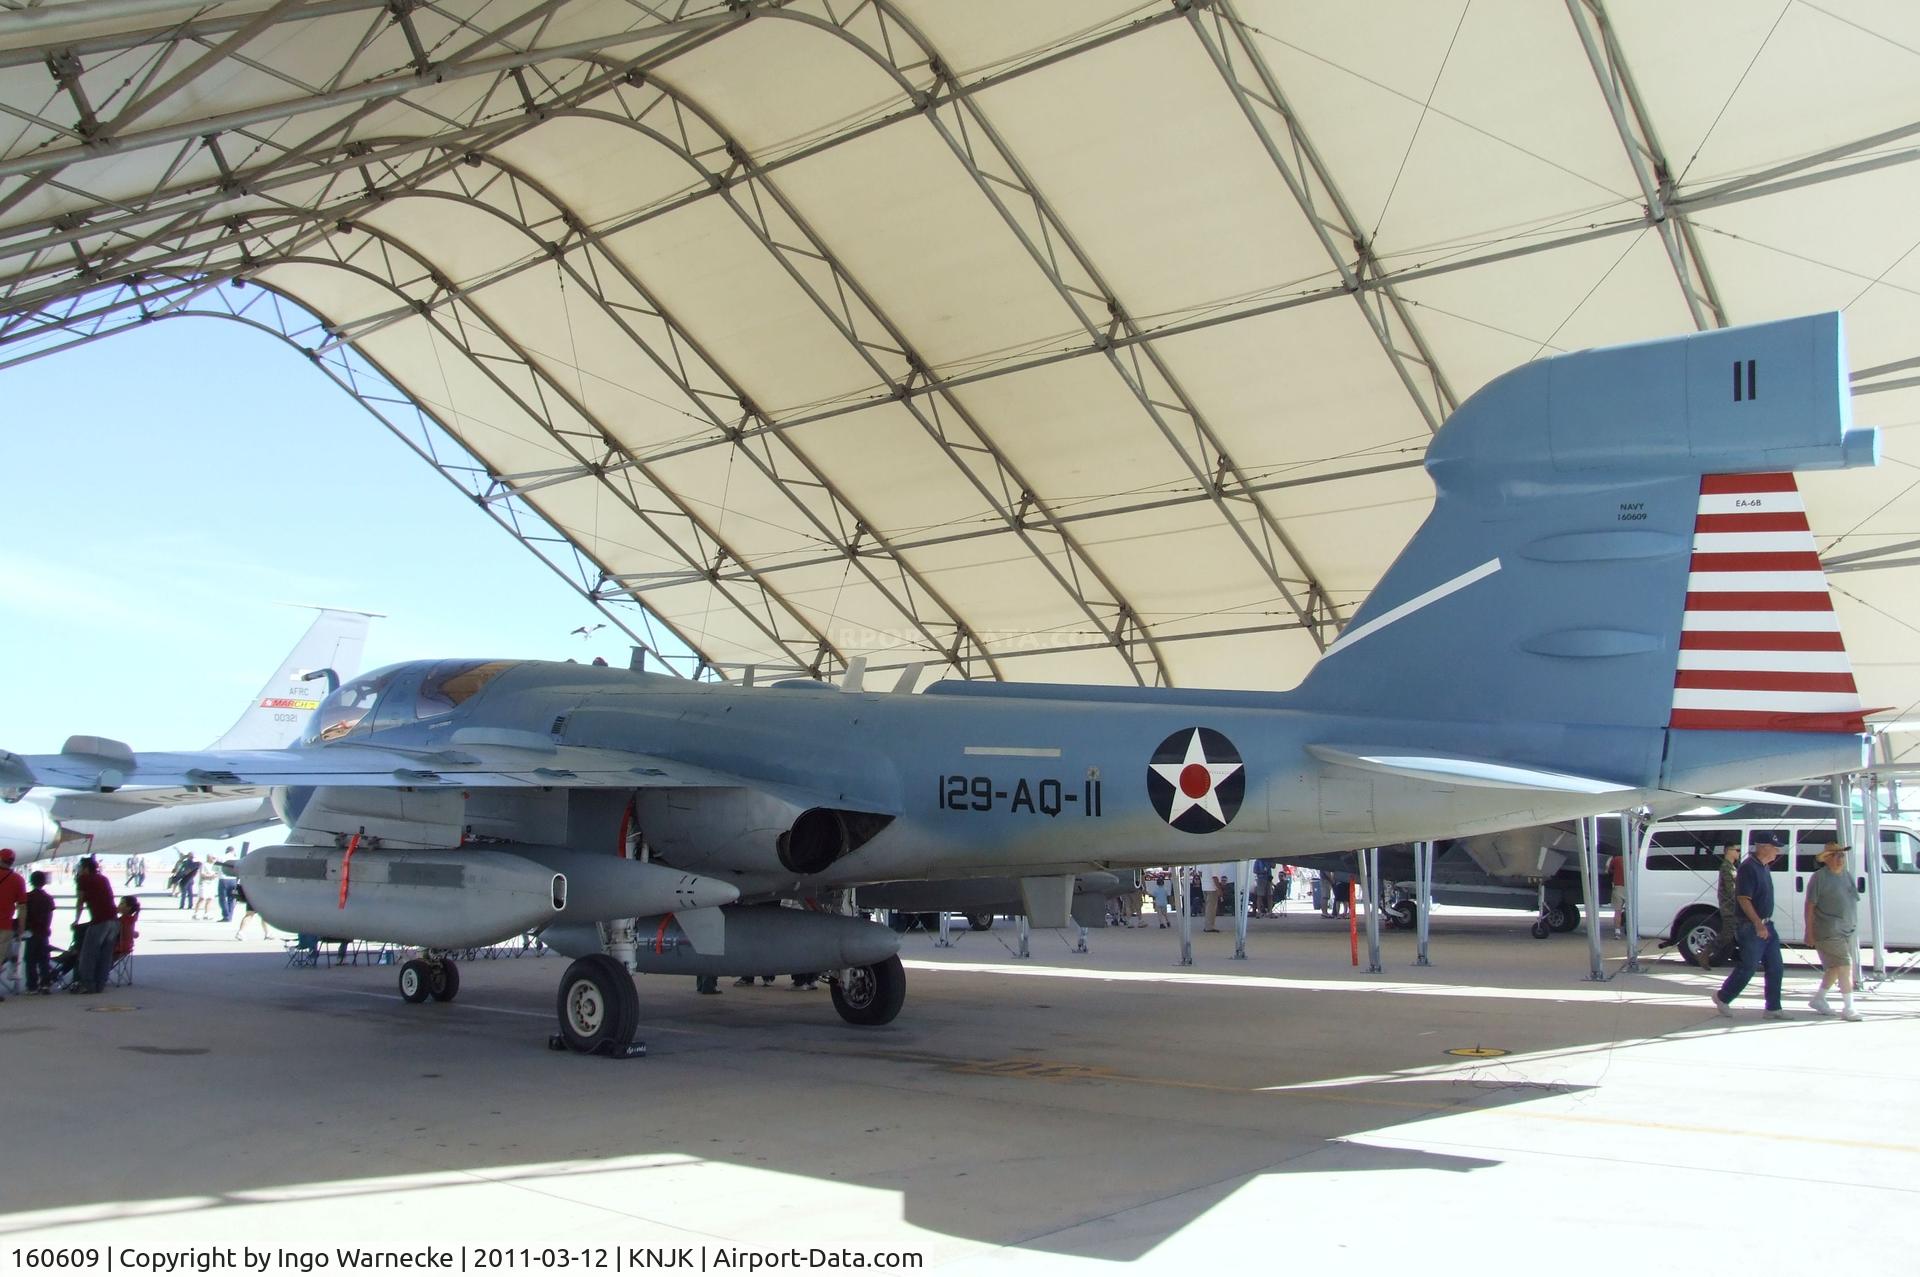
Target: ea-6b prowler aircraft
{"x": 1615, "y": 600}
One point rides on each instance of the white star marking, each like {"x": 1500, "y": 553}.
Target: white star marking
{"x": 1209, "y": 801}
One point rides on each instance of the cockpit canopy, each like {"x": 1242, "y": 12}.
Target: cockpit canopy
{"x": 398, "y": 695}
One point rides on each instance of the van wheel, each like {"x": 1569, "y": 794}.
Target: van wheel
{"x": 1699, "y": 937}
{"x": 980, "y": 921}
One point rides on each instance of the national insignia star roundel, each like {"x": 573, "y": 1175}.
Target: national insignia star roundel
{"x": 1196, "y": 780}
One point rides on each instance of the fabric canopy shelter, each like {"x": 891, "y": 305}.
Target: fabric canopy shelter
{"x": 1082, "y": 340}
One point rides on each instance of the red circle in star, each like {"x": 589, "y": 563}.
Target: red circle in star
{"x": 1195, "y": 780}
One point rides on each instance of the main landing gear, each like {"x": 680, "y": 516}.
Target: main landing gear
{"x": 599, "y": 1010}
{"x": 430, "y": 975}
{"x": 872, "y": 995}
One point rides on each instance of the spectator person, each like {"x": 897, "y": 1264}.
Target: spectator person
{"x": 207, "y": 887}
{"x": 1729, "y": 907}
{"x": 247, "y": 913}
{"x": 1758, "y": 939}
{"x": 129, "y": 932}
{"x": 1283, "y": 885}
{"x": 13, "y": 896}
{"x": 1833, "y": 906}
{"x": 1160, "y": 887}
{"x": 1617, "y": 888}
{"x": 92, "y": 893}
{"x": 223, "y": 886}
{"x": 39, "y": 915}
{"x": 185, "y": 877}
{"x": 1262, "y": 901}
{"x": 1213, "y": 884}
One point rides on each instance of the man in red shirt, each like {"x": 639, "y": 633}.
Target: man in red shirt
{"x": 93, "y": 892}
{"x": 13, "y": 893}
{"x": 40, "y": 911}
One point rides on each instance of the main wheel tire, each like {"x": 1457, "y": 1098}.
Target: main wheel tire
{"x": 1399, "y": 914}
{"x": 870, "y": 995}
{"x": 980, "y": 922}
{"x": 416, "y": 980}
{"x": 598, "y": 1005}
{"x": 1699, "y": 937}
{"x": 443, "y": 983}
{"x": 1563, "y": 916}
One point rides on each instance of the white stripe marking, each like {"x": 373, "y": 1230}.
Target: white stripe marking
{"x": 1784, "y": 582}
{"x": 1752, "y": 542}
{"x": 1413, "y": 605}
{"x": 1777, "y": 662}
{"x": 1778, "y": 622}
{"x": 1777, "y": 702}
{"x": 1751, "y": 503}
{"x": 1010, "y": 751}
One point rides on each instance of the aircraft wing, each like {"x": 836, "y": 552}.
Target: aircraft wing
{"x": 67, "y": 808}
{"x": 103, "y": 766}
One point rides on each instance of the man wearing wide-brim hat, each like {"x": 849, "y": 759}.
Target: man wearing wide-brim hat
{"x": 1833, "y": 907}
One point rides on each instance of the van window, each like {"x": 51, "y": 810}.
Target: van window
{"x": 1808, "y": 845}
{"x": 1695, "y": 850}
{"x": 1899, "y": 852}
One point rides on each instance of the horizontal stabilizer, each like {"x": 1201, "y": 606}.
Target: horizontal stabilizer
{"x": 1462, "y": 771}
{"x": 1770, "y": 800}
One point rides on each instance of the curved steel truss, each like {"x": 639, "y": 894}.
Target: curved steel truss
{"x": 158, "y": 153}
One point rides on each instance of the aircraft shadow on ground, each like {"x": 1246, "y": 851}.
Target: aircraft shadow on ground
{"x": 997, "y": 1111}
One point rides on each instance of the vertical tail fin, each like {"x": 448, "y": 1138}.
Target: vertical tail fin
{"x": 1579, "y": 566}
{"x": 1760, "y": 646}
{"x": 326, "y": 655}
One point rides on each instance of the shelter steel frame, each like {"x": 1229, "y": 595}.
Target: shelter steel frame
{"x": 86, "y": 276}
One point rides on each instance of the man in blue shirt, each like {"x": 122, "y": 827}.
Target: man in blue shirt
{"x": 1758, "y": 938}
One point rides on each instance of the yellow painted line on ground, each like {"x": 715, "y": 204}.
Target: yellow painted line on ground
{"x": 1678, "y": 1128}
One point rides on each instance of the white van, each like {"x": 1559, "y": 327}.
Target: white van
{"x": 1679, "y": 879}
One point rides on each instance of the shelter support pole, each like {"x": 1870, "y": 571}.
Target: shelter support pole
{"x": 1422, "y": 898}
{"x": 1370, "y": 861}
{"x": 1183, "y": 888}
{"x": 1242, "y": 875}
{"x": 1843, "y": 816}
{"x": 945, "y": 941}
{"x": 1875, "y": 858}
{"x": 1630, "y": 848}
{"x": 1080, "y": 945}
{"x": 1026, "y": 937}
{"x": 1590, "y": 892}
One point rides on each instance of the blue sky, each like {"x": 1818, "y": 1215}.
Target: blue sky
{"x": 169, "y": 490}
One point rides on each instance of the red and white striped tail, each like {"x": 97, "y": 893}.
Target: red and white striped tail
{"x": 1760, "y": 647}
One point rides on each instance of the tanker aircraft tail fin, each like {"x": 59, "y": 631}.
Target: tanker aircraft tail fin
{"x": 1617, "y": 541}
{"x": 326, "y": 655}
